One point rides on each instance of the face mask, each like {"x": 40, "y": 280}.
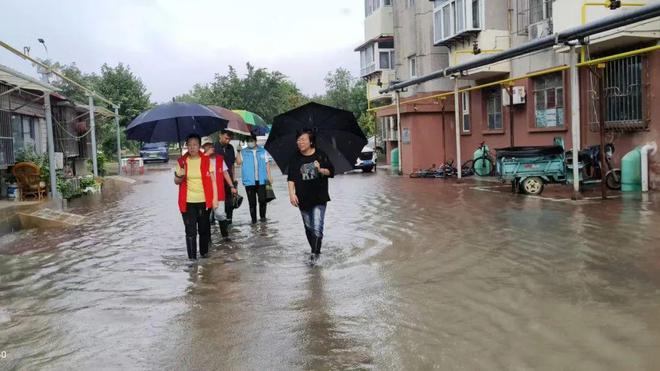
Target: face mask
{"x": 252, "y": 144}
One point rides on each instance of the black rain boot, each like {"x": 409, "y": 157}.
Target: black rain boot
{"x": 310, "y": 239}
{"x": 318, "y": 241}
{"x": 262, "y": 212}
{"x": 191, "y": 245}
{"x": 253, "y": 214}
{"x": 204, "y": 245}
{"x": 224, "y": 228}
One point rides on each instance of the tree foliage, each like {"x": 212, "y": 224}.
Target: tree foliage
{"x": 266, "y": 93}
{"x": 346, "y": 92}
{"x": 118, "y": 84}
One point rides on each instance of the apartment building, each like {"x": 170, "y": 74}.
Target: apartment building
{"x": 430, "y": 35}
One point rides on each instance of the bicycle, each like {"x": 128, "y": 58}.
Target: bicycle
{"x": 481, "y": 166}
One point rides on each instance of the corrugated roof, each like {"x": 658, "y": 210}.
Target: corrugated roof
{"x": 15, "y": 78}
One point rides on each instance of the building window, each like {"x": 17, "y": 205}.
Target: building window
{"x": 367, "y": 60}
{"x": 410, "y": 3}
{"x": 454, "y": 17}
{"x": 370, "y": 6}
{"x": 386, "y": 59}
{"x": 412, "y": 62}
{"x": 494, "y": 109}
{"x": 24, "y": 132}
{"x": 623, "y": 91}
{"x": 540, "y": 10}
{"x": 387, "y": 3}
{"x": 465, "y": 108}
{"x": 549, "y": 101}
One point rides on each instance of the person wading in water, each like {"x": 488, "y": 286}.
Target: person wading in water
{"x": 309, "y": 171}
{"x": 198, "y": 193}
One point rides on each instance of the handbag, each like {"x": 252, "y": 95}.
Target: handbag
{"x": 236, "y": 201}
{"x": 270, "y": 194}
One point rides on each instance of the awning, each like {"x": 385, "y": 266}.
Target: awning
{"x": 20, "y": 80}
{"x": 101, "y": 111}
{"x": 380, "y": 38}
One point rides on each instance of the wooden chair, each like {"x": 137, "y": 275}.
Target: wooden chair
{"x": 28, "y": 176}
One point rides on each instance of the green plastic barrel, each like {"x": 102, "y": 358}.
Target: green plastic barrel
{"x": 394, "y": 155}
{"x": 481, "y": 166}
{"x": 631, "y": 171}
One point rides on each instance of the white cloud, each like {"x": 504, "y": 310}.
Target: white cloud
{"x": 172, "y": 44}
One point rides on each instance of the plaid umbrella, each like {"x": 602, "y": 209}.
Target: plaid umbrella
{"x": 252, "y": 119}
{"x": 236, "y": 123}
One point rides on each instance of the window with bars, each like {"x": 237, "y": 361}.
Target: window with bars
{"x": 532, "y": 12}
{"x": 549, "y": 101}
{"x": 24, "y": 132}
{"x": 494, "y": 109}
{"x": 624, "y": 96}
{"x": 623, "y": 90}
{"x": 6, "y": 138}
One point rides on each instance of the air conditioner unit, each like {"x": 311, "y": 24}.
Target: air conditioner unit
{"x": 519, "y": 96}
{"x": 539, "y": 29}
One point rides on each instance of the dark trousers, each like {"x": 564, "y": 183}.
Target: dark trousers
{"x": 197, "y": 222}
{"x": 254, "y": 192}
{"x": 229, "y": 209}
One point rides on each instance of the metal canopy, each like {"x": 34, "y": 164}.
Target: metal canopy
{"x": 23, "y": 81}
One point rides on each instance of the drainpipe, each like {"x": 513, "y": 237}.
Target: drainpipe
{"x": 647, "y": 150}
{"x": 575, "y": 118}
{"x": 398, "y": 124}
{"x": 459, "y": 165}
{"x": 92, "y": 111}
{"x": 118, "y": 140}
{"x": 51, "y": 145}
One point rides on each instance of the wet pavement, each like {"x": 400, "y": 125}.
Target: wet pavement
{"x": 415, "y": 274}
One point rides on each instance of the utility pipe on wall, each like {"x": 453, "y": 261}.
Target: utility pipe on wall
{"x": 647, "y": 150}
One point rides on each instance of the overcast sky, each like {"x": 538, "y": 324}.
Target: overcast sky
{"x": 173, "y": 44}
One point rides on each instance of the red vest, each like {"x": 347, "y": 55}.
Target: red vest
{"x": 220, "y": 177}
{"x": 207, "y": 182}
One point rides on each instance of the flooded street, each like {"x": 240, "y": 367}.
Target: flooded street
{"x": 415, "y": 274}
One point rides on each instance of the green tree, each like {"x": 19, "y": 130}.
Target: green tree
{"x": 118, "y": 84}
{"x": 346, "y": 92}
{"x": 266, "y": 93}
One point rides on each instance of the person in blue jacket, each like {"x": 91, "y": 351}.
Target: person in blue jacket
{"x": 255, "y": 174}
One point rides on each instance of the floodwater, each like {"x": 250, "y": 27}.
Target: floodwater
{"x": 415, "y": 274}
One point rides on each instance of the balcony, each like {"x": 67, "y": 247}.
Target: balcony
{"x": 385, "y": 76}
{"x": 456, "y": 20}
{"x": 489, "y": 42}
{"x": 571, "y": 13}
{"x": 376, "y": 55}
{"x": 379, "y": 22}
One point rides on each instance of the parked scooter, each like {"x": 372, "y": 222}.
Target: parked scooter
{"x": 590, "y": 169}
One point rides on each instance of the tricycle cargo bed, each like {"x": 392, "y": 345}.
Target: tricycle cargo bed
{"x": 537, "y": 151}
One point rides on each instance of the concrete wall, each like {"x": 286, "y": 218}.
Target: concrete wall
{"x": 413, "y": 35}
{"x": 379, "y": 23}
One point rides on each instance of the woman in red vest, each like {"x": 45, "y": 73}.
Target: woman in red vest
{"x": 198, "y": 193}
{"x": 221, "y": 176}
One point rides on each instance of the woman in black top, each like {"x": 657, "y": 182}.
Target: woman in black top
{"x": 309, "y": 171}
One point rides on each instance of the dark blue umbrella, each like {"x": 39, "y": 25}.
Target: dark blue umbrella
{"x": 337, "y": 134}
{"x": 258, "y": 130}
{"x": 173, "y": 122}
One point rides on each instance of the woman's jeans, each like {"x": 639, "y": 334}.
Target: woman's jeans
{"x": 197, "y": 221}
{"x": 254, "y": 192}
{"x": 313, "y": 219}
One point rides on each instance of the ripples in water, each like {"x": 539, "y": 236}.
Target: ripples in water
{"x": 415, "y": 274}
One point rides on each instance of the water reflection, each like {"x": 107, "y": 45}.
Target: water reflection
{"x": 415, "y": 274}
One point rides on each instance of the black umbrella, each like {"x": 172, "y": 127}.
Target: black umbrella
{"x": 173, "y": 122}
{"x": 337, "y": 134}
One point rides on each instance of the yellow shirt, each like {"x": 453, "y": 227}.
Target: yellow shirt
{"x": 194, "y": 180}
